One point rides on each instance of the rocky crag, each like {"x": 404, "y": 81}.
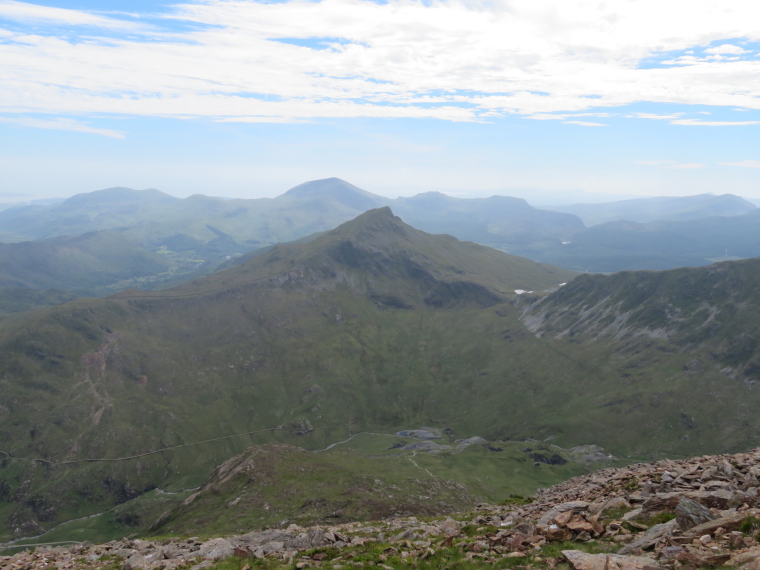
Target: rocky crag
{"x": 694, "y": 513}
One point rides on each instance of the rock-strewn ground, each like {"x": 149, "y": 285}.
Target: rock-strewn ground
{"x": 694, "y": 513}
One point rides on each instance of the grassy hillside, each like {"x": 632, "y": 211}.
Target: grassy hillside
{"x": 92, "y": 261}
{"x": 277, "y": 485}
{"x": 374, "y": 326}
{"x": 366, "y": 326}
{"x": 22, "y": 300}
{"x": 713, "y": 311}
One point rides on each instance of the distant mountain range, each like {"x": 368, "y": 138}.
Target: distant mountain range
{"x": 207, "y": 227}
{"x": 185, "y": 238}
{"x": 670, "y": 208}
{"x": 619, "y": 246}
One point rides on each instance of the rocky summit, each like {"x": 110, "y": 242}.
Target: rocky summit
{"x": 686, "y": 514}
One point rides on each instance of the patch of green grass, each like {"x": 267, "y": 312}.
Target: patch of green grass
{"x": 517, "y": 500}
{"x": 613, "y": 514}
{"x": 554, "y": 549}
{"x": 660, "y": 518}
{"x": 477, "y": 530}
{"x": 749, "y": 524}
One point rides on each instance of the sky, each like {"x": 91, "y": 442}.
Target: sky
{"x": 557, "y": 101}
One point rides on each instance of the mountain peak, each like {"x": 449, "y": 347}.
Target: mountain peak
{"x": 111, "y": 196}
{"x": 335, "y": 189}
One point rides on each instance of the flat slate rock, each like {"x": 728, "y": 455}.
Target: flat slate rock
{"x": 583, "y": 561}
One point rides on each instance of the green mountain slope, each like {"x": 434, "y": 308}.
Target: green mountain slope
{"x": 372, "y": 324}
{"x": 265, "y": 485}
{"x": 90, "y": 261}
{"x": 371, "y": 327}
{"x": 675, "y": 208}
{"x": 711, "y": 311}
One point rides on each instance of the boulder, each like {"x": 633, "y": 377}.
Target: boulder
{"x": 557, "y": 534}
{"x": 316, "y": 537}
{"x": 136, "y": 562}
{"x": 665, "y": 502}
{"x": 449, "y": 527}
{"x": 728, "y": 523}
{"x": 690, "y": 514}
{"x": 650, "y": 537}
{"x": 549, "y": 516}
{"x": 216, "y": 549}
{"x": 583, "y": 561}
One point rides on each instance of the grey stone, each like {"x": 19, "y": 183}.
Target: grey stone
{"x": 316, "y": 537}
{"x": 561, "y": 508}
{"x": 216, "y": 549}
{"x": 136, "y": 562}
{"x": 583, "y": 561}
{"x": 650, "y": 537}
{"x": 690, "y": 514}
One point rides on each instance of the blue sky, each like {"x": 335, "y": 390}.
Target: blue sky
{"x": 556, "y": 102}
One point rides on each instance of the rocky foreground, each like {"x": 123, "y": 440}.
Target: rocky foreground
{"x": 681, "y": 515}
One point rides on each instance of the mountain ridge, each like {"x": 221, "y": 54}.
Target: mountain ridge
{"x": 670, "y": 208}
{"x": 375, "y": 314}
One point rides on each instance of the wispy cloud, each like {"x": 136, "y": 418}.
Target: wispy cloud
{"x": 585, "y": 124}
{"x": 743, "y": 163}
{"x": 450, "y": 59}
{"x": 26, "y": 12}
{"x": 671, "y": 164}
{"x": 61, "y": 124}
{"x": 701, "y": 123}
{"x": 687, "y": 166}
{"x": 656, "y": 117}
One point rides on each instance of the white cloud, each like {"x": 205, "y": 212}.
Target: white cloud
{"x": 744, "y": 163}
{"x": 701, "y": 123}
{"x": 671, "y": 164}
{"x": 23, "y": 12}
{"x": 585, "y": 124}
{"x": 61, "y": 124}
{"x": 455, "y": 60}
{"x": 546, "y": 117}
{"x": 657, "y": 117}
{"x": 729, "y": 49}
{"x": 687, "y": 166}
